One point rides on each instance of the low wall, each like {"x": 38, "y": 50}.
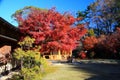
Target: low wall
{"x": 6, "y": 67}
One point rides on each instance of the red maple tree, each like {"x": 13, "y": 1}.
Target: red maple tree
{"x": 52, "y": 30}
{"x": 90, "y": 42}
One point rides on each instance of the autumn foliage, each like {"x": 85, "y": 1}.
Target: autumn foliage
{"x": 90, "y": 42}
{"x": 82, "y": 55}
{"x": 52, "y": 30}
{"x": 104, "y": 46}
{"x": 112, "y": 43}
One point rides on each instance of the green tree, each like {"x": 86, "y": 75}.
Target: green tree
{"x": 91, "y": 32}
{"x": 32, "y": 64}
{"x": 103, "y": 16}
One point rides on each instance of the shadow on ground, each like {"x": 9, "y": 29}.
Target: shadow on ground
{"x": 98, "y": 71}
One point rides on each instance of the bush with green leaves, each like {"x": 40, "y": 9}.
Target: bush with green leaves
{"x": 33, "y": 66}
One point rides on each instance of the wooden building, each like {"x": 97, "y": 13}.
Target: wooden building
{"x": 9, "y": 34}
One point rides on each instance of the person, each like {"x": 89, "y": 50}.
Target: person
{"x": 69, "y": 58}
{"x": 73, "y": 59}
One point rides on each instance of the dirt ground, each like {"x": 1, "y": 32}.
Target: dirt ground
{"x": 86, "y": 70}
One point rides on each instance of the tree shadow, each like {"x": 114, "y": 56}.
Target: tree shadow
{"x": 99, "y": 71}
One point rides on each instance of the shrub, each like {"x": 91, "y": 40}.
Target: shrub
{"x": 33, "y": 66}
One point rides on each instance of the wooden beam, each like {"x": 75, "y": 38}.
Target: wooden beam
{"x": 9, "y": 38}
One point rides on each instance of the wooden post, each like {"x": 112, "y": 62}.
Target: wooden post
{"x": 59, "y": 55}
{"x": 71, "y": 53}
{"x": 51, "y": 57}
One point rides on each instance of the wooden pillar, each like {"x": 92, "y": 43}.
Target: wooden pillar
{"x": 70, "y": 52}
{"x": 59, "y": 55}
{"x": 51, "y": 56}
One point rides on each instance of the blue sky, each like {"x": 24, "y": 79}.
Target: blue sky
{"x": 8, "y": 7}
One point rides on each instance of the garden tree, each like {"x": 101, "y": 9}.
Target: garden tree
{"x": 104, "y": 46}
{"x": 55, "y": 32}
{"x": 107, "y": 46}
{"x": 116, "y": 9}
{"x": 94, "y": 45}
{"x": 26, "y": 43}
{"x": 112, "y": 44}
{"x": 32, "y": 63}
{"x": 89, "y": 42}
{"x": 103, "y": 15}
{"x": 91, "y": 32}
{"x": 83, "y": 16}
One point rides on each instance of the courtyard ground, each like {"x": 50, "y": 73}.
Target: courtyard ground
{"x": 99, "y": 69}
{"x": 86, "y": 70}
